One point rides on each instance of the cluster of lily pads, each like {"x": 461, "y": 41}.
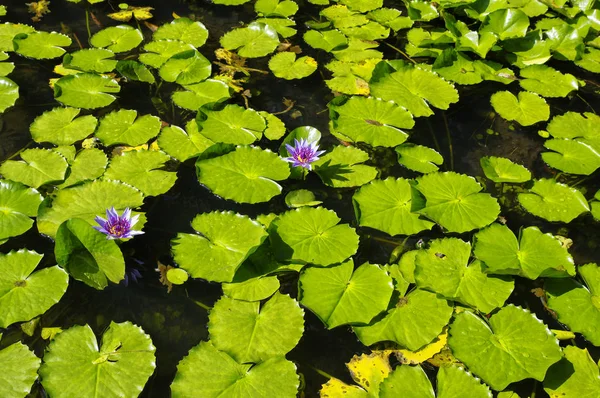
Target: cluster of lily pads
{"x": 442, "y": 304}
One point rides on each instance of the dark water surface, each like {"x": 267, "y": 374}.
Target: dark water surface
{"x": 174, "y": 321}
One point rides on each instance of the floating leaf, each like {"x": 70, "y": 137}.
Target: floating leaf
{"x": 9, "y": 92}
{"x": 125, "y": 127}
{"x": 183, "y": 29}
{"x": 313, "y": 235}
{"x": 89, "y": 164}
{"x": 283, "y": 26}
{"x": 576, "y": 375}
{"x": 506, "y": 23}
{"x": 25, "y": 294}
{"x": 340, "y": 295}
{"x": 199, "y": 94}
{"x": 246, "y": 175}
{"x": 254, "y": 289}
{"x": 590, "y": 60}
{"x": 425, "y": 353}
{"x": 455, "y": 202}
{"x": 61, "y": 126}
{"x": 485, "y": 349}
{"x": 574, "y": 125}
{"x": 270, "y": 8}
{"x": 128, "y": 12}
{"x": 327, "y": 40}
{"x": 527, "y": 109}
{"x": 554, "y": 201}
{"x": 18, "y": 204}
{"x": 18, "y": 370}
{"x": 343, "y": 168}
{"x": 36, "y": 167}
{"x": 245, "y": 330}
{"x": 223, "y": 242}
{"x": 546, "y": 81}
{"x": 301, "y": 198}
{"x": 504, "y": 170}
{"x": 391, "y": 18}
{"x": 275, "y": 127}
{"x": 366, "y": 370}
{"x": 535, "y": 254}
{"x": 187, "y": 67}
{"x": 86, "y": 90}
{"x": 209, "y": 373}
{"x": 133, "y": 70}
{"x": 419, "y": 158}
{"x": 386, "y": 205}
{"x": 572, "y": 156}
{"x": 91, "y": 60}
{"x": 183, "y": 144}
{"x": 285, "y": 65}
{"x": 117, "y": 39}
{"x": 231, "y": 125}
{"x": 255, "y": 40}
{"x": 41, "y": 45}
{"x": 158, "y": 52}
{"x": 8, "y": 31}
{"x": 74, "y": 365}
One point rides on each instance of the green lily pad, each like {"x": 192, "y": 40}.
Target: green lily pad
{"x": 86, "y": 201}
{"x": 301, "y": 198}
{"x": 590, "y": 60}
{"x": 275, "y": 127}
{"x": 443, "y": 268}
{"x": 231, "y": 125}
{"x": 358, "y": 50}
{"x": 486, "y": 348}
{"x": 246, "y": 175}
{"x": 391, "y": 18}
{"x": 87, "y": 255}
{"x": 89, "y": 164}
{"x": 283, "y": 27}
{"x": 245, "y": 330}
{"x": 506, "y": 23}
{"x": 327, "y": 40}
{"x": 125, "y": 127}
{"x": 276, "y": 8}
{"x": 535, "y": 254}
{"x": 343, "y": 168}
{"x": 141, "y": 169}
{"x": 8, "y": 31}
{"x": 576, "y": 375}
{"x": 369, "y": 31}
{"x": 285, "y": 66}
{"x": 25, "y": 294}
{"x": 313, "y": 235}
{"x": 91, "y": 60}
{"x": 255, "y": 40}
{"x": 18, "y": 204}
{"x": 363, "y": 5}
{"x": 577, "y": 305}
{"x": 183, "y": 144}
{"x": 527, "y": 109}
{"x": 504, "y": 170}
{"x": 226, "y": 238}
{"x": 340, "y": 295}
{"x": 554, "y": 201}
{"x": 547, "y": 81}
{"x": 211, "y": 373}
{"x": 18, "y": 370}
{"x": 574, "y": 125}
{"x": 41, "y": 45}
{"x": 9, "y": 93}
{"x": 37, "y": 167}
{"x": 117, "y": 39}
{"x": 86, "y": 90}
{"x": 572, "y": 156}
{"x": 74, "y": 365}
{"x": 158, "y": 52}
{"x": 415, "y": 89}
{"x": 419, "y": 158}
{"x": 187, "y": 67}
{"x": 184, "y": 30}
{"x": 199, "y": 94}
{"x": 386, "y": 205}
{"x": 370, "y": 120}
{"x": 455, "y": 201}
{"x": 133, "y": 70}
{"x": 415, "y": 321}
{"x": 254, "y": 289}
{"x": 61, "y": 126}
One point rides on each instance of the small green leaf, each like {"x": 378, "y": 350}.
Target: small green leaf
{"x": 133, "y": 70}
{"x": 187, "y": 67}
{"x": 183, "y": 144}
{"x": 18, "y": 204}
{"x": 527, "y": 109}
{"x": 327, "y": 40}
{"x": 158, "y": 52}
{"x": 554, "y": 201}
{"x": 419, "y": 158}
{"x": 255, "y": 40}
{"x": 177, "y": 276}
{"x": 275, "y": 8}
{"x": 343, "y": 168}
{"x": 506, "y": 23}
{"x": 91, "y": 60}
{"x": 37, "y": 167}
{"x": 61, "y": 126}
{"x": 184, "y": 30}
{"x": 9, "y": 93}
{"x": 285, "y": 65}
{"x": 573, "y": 156}
{"x": 275, "y": 127}
{"x": 546, "y": 81}
{"x": 199, "y": 94}
{"x": 89, "y": 164}
{"x": 231, "y": 125}
{"x": 18, "y": 370}
{"x": 86, "y": 90}
{"x": 41, "y": 45}
{"x": 576, "y": 375}
{"x": 123, "y": 126}
{"x": 301, "y": 198}
{"x": 504, "y": 170}
{"x": 254, "y": 289}
{"x": 117, "y": 39}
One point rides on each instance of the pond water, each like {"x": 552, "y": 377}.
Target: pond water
{"x": 178, "y": 320}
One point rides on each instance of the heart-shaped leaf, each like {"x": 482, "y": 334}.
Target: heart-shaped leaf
{"x": 86, "y": 90}
{"x": 91, "y": 60}
{"x": 419, "y": 158}
{"x": 36, "y": 167}
{"x": 343, "y": 168}
{"x": 41, "y": 45}
{"x": 527, "y": 109}
{"x": 183, "y": 29}
{"x": 18, "y": 370}
{"x": 117, "y": 39}
{"x": 125, "y": 127}
{"x": 199, "y": 94}
{"x": 89, "y": 164}
{"x": 554, "y": 201}
{"x": 504, "y": 170}
{"x": 187, "y": 67}
{"x": 255, "y": 40}
{"x": 18, "y": 204}
{"x": 61, "y": 126}
{"x": 183, "y": 144}
{"x": 285, "y": 65}
{"x": 231, "y": 125}
{"x": 158, "y": 52}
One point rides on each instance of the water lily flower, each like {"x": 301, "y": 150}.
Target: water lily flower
{"x": 117, "y": 227}
{"x": 303, "y": 153}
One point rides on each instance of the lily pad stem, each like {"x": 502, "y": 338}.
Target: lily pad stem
{"x": 87, "y": 23}
{"x": 321, "y": 372}
{"x": 401, "y": 52}
{"x": 435, "y": 140}
{"x": 449, "y": 141}
{"x": 20, "y": 150}
{"x": 202, "y": 305}
{"x": 585, "y": 102}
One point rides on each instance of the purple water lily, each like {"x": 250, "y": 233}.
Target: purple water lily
{"x": 303, "y": 153}
{"x": 118, "y": 227}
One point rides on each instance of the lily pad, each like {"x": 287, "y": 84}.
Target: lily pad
{"x": 141, "y": 169}
{"x": 18, "y": 370}
{"x": 9, "y": 93}
{"x": 527, "y": 109}
{"x": 91, "y": 60}
{"x": 535, "y": 254}
{"x": 486, "y": 348}
{"x": 301, "y": 198}
{"x": 245, "y": 330}
{"x": 327, "y": 40}
{"x": 275, "y": 127}
{"x": 41, "y": 45}
{"x": 246, "y": 175}
{"x": 75, "y": 365}
{"x": 419, "y": 158}
{"x": 36, "y": 167}
{"x": 125, "y": 127}
{"x": 368, "y": 371}
{"x": 255, "y": 40}
{"x": 184, "y": 30}
{"x": 87, "y": 255}
{"x": 86, "y": 201}
{"x": 61, "y": 126}
{"x": 572, "y": 156}
{"x": 415, "y": 321}
{"x": 577, "y": 305}
{"x": 254, "y": 289}
{"x": 340, "y": 295}
{"x": 554, "y": 201}
{"x": 276, "y": 8}
{"x": 158, "y": 52}
{"x": 313, "y": 235}
{"x": 231, "y": 125}
{"x": 283, "y": 26}
{"x": 8, "y": 31}
{"x": 187, "y": 67}
{"x": 89, "y": 164}
{"x": 504, "y": 170}
{"x": 223, "y": 242}
{"x": 117, "y": 39}
{"x": 183, "y": 144}
{"x": 199, "y": 94}
{"x": 18, "y": 204}
{"x": 211, "y": 373}
{"x": 25, "y": 294}
{"x": 133, "y": 70}
{"x": 506, "y": 23}
{"x": 547, "y": 81}
{"x": 574, "y": 125}
{"x": 370, "y": 120}
{"x": 285, "y": 65}
{"x": 455, "y": 202}
{"x": 343, "y": 168}
{"x": 86, "y": 90}
{"x": 386, "y": 205}
{"x": 576, "y": 375}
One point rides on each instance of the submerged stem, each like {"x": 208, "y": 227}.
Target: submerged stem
{"x": 435, "y": 140}
{"x": 585, "y": 102}
{"x": 321, "y": 372}
{"x": 87, "y": 23}
{"x": 201, "y": 305}
{"x": 449, "y": 141}
{"x": 20, "y": 150}
{"x": 401, "y": 52}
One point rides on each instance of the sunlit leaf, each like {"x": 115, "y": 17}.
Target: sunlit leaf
{"x": 504, "y": 170}
{"x": 36, "y": 167}
{"x": 419, "y": 158}
{"x": 91, "y": 60}
{"x": 231, "y": 125}
{"x": 41, "y": 45}
{"x": 18, "y": 370}
{"x": 117, "y": 39}
{"x": 343, "y": 168}
{"x": 86, "y": 90}
{"x": 255, "y": 40}
{"x": 183, "y": 144}
{"x": 554, "y": 201}
{"x": 61, "y": 126}
{"x": 576, "y": 375}
{"x": 285, "y": 65}
{"x": 124, "y": 126}
{"x": 187, "y": 67}
{"x": 18, "y": 204}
